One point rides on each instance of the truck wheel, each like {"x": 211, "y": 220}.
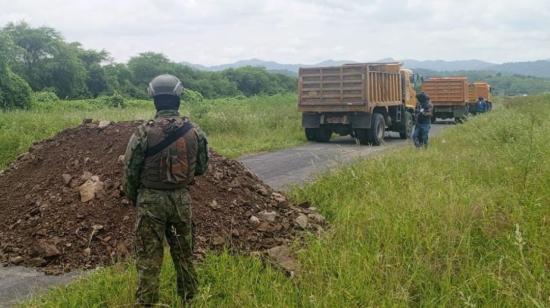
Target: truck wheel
{"x": 378, "y": 127}
{"x": 407, "y": 129}
{"x": 323, "y": 134}
{"x": 311, "y": 134}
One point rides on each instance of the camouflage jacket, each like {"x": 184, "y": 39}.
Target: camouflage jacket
{"x": 135, "y": 156}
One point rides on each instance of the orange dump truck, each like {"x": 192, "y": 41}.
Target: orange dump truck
{"x": 362, "y": 100}
{"x": 449, "y": 96}
{"x": 479, "y": 89}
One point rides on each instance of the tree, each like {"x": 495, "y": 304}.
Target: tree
{"x": 15, "y": 92}
{"x": 147, "y": 66}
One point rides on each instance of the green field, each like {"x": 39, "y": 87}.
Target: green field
{"x": 464, "y": 223}
{"x": 235, "y": 126}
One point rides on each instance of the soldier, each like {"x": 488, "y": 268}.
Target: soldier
{"x": 161, "y": 159}
{"x": 424, "y": 114}
{"x": 481, "y": 105}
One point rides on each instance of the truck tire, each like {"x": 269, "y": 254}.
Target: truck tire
{"x": 406, "y": 131}
{"x": 311, "y": 134}
{"x": 377, "y": 130}
{"x": 323, "y": 134}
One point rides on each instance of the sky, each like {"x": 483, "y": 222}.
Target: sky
{"x": 298, "y": 31}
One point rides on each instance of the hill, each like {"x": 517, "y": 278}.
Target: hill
{"x": 540, "y": 68}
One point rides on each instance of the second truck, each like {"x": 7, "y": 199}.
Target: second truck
{"x": 449, "y": 96}
{"x": 362, "y": 100}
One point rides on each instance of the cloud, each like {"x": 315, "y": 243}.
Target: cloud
{"x": 299, "y": 31}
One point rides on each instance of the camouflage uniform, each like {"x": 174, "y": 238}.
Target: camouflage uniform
{"x": 162, "y": 213}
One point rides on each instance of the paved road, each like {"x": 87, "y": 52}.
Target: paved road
{"x": 301, "y": 164}
{"x": 278, "y": 169}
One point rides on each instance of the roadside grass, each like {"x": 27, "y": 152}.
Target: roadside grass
{"x": 464, "y": 223}
{"x": 235, "y": 126}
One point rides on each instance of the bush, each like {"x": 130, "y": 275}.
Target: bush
{"x": 116, "y": 100}
{"x": 45, "y": 97}
{"x": 190, "y": 96}
{"x": 15, "y": 92}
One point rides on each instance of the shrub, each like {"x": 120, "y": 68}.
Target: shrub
{"x": 45, "y": 97}
{"x": 15, "y": 92}
{"x": 190, "y": 96}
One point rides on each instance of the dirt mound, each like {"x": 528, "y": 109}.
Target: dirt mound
{"x": 61, "y": 206}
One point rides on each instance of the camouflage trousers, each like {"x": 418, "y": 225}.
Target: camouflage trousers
{"x": 163, "y": 214}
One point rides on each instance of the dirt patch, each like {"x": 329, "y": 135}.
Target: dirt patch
{"x": 61, "y": 207}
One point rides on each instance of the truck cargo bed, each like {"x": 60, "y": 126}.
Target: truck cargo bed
{"x": 447, "y": 91}
{"x": 352, "y": 87}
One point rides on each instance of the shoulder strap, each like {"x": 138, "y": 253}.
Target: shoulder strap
{"x": 169, "y": 139}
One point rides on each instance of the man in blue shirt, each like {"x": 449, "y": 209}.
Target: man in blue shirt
{"x": 423, "y": 115}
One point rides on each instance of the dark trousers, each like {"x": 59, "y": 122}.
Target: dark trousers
{"x": 420, "y": 134}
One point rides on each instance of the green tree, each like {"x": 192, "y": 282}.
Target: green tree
{"x": 15, "y": 92}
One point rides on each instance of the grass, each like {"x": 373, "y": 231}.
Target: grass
{"x": 464, "y": 223}
{"x": 234, "y": 126}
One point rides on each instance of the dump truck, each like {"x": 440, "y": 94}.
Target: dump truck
{"x": 449, "y": 96}
{"x": 362, "y": 100}
{"x": 476, "y": 90}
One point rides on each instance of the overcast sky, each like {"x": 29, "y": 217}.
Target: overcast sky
{"x": 299, "y": 31}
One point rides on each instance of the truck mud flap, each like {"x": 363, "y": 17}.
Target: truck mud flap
{"x": 311, "y": 120}
{"x": 360, "y": 120}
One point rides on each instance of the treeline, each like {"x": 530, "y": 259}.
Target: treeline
{"x": 502, "y": 83}
{"x": 39, "y": 59}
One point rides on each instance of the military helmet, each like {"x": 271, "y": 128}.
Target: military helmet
{"x": 165, "y": 85}
{"x": 422, "y": 97}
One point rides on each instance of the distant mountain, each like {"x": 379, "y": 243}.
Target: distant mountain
{"x": 287, "y": 69}
{"x": 539, "y": 68}
{"x": 441, "y": 65}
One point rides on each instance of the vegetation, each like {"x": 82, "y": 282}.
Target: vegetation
{"x": 502, "y": 83}
{"x": 235, "y": 126}
{"x": 464, "y": 223}
{"x": 42, "y": 59}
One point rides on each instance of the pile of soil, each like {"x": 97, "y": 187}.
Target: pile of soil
{"x": 62, "y": 208}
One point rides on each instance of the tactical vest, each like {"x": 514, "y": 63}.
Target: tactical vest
{"x": 174, "y": 166}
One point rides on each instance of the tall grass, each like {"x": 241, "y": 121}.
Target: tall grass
{"x": 234, "y": 126}
{"x": 464, "y": 223}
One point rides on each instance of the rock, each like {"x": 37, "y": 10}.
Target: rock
{"x": 262, "y": 190}
{"x": 37, "y": 262}
{"x": 47, "y": 249}
{"x": 268, "y": 215}
{"x": 218, "y": 241}
{"x": 278, "y": 197}
{"x": 318, "y": 218}
{"x": 312, "y": 209}
{"x": 90, "y": 189}
{"x": 86, "y": 175}
{"x": 121, "y": 159}
{"x": 67, "y": 178}
{"x": 103, "y": 124}
{"x": 87, "y": 251}
{"x": 122, "y": 250}
{"x": 302, "y": 221}
{"x": 282, "y": 256}
{"x": 214, "y": 205}
{"x": 254, "y": 220}
{"x": 17, "y": 260}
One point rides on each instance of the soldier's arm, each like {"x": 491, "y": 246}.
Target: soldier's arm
{"x": 133, "y": 161}
{"x": 202, "y": 153}
{"x": 429, "y": 111}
